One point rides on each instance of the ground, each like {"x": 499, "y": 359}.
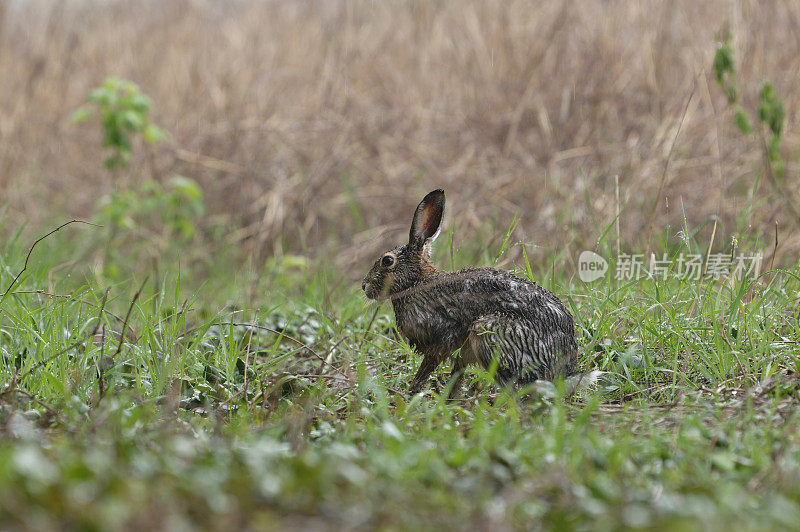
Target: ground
{"x": 143, "y": 406}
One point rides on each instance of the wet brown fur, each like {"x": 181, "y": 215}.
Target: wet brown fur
{"x": 482, "y": 313}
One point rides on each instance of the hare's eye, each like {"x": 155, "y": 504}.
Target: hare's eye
{"x": 387, "y": 261}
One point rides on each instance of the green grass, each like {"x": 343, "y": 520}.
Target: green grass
{"x": 289, "y": 409}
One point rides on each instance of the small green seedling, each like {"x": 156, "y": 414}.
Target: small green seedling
{"x": 124, "y": 111}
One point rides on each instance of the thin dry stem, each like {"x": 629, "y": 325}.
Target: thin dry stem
{"x": 308, "y": 123}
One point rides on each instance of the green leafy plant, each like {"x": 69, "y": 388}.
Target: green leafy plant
{"x": 124, "y": 111}
{"x": 176, "y": 205}
{"x": 152, "y": 218}
{"x": 770, "y": 113}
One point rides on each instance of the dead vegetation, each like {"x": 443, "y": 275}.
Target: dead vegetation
{"x": 314, "y": 125}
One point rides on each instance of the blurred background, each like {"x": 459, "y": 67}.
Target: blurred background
{"x": 313, "y": 128}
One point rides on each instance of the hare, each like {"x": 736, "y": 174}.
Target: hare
{"x": 483, "y": 312}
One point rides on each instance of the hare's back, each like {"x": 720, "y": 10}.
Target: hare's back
{"x": 481, "y": 291}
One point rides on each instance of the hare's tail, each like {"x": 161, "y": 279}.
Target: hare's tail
{"x": 582, "y": 382}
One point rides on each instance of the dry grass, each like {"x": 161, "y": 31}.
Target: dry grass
{"x": 321, "y": 124}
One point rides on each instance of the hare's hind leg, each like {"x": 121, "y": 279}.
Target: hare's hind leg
{"x": 456, "y": 378}
{"x": 521, "y": 350}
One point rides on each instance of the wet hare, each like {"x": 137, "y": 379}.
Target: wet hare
{"x": 484, "y": 312}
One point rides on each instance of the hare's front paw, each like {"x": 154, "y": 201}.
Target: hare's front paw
{"x": 427, "y": 367}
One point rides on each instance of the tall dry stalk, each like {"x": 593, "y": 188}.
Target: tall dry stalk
{"x": 318, "y": 124}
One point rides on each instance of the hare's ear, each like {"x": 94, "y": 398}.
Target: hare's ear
{"x": 427, "y": 220}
